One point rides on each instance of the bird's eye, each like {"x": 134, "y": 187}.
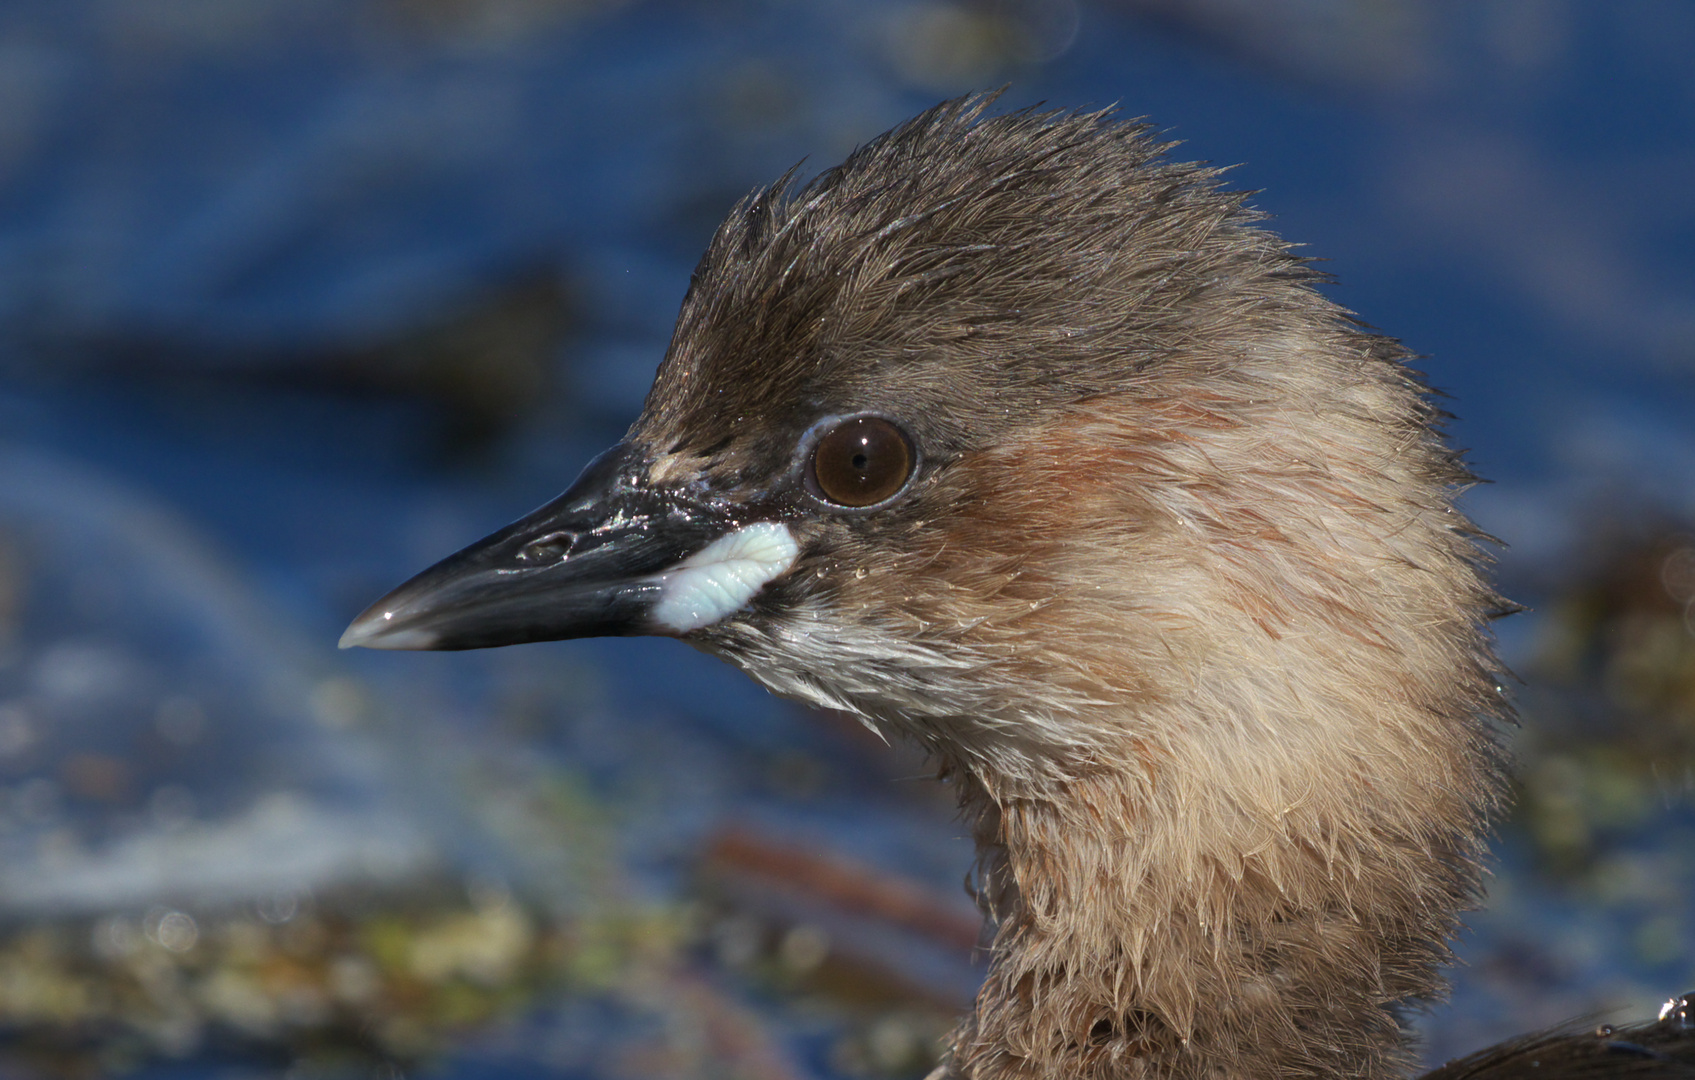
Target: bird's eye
{"x": 861, "y": 462}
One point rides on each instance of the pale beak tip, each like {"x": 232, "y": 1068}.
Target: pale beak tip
{"x": 374, "y": 630}
{"x": 359, "y": 632}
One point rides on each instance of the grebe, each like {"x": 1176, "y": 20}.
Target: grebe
{"x": 1018, "y": 438}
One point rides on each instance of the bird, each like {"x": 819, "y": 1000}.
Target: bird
{"x": 1015, "y": 436}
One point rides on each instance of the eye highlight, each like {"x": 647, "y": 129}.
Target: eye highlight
{"x": 860, "y": 462}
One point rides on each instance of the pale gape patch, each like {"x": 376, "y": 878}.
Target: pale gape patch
{"x": 718, "y": 579}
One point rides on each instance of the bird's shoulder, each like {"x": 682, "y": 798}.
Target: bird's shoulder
{"x": 1661, "y": 1050}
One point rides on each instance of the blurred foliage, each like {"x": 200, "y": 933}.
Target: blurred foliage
{"x": 349, "y": 978}
{"x": 1609, "y": 739}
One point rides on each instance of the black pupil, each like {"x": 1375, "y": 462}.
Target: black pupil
{"x": 861, "y": 462}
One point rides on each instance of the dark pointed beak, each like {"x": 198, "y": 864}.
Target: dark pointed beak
{"x": 584, "y": 565}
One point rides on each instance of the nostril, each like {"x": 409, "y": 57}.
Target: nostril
{"x": 554, "y": 547}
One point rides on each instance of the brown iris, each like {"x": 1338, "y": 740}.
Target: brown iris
{"x": 862, "y": 461}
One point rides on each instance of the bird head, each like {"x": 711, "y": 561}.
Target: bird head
{"x": 1003, "y": 433}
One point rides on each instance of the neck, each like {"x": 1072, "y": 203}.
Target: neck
{"x": 1194, "y": 916}
{"x": 1284, "y": 757}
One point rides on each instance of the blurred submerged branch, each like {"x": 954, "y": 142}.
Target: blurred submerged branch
{"x": 486, "y": 363}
